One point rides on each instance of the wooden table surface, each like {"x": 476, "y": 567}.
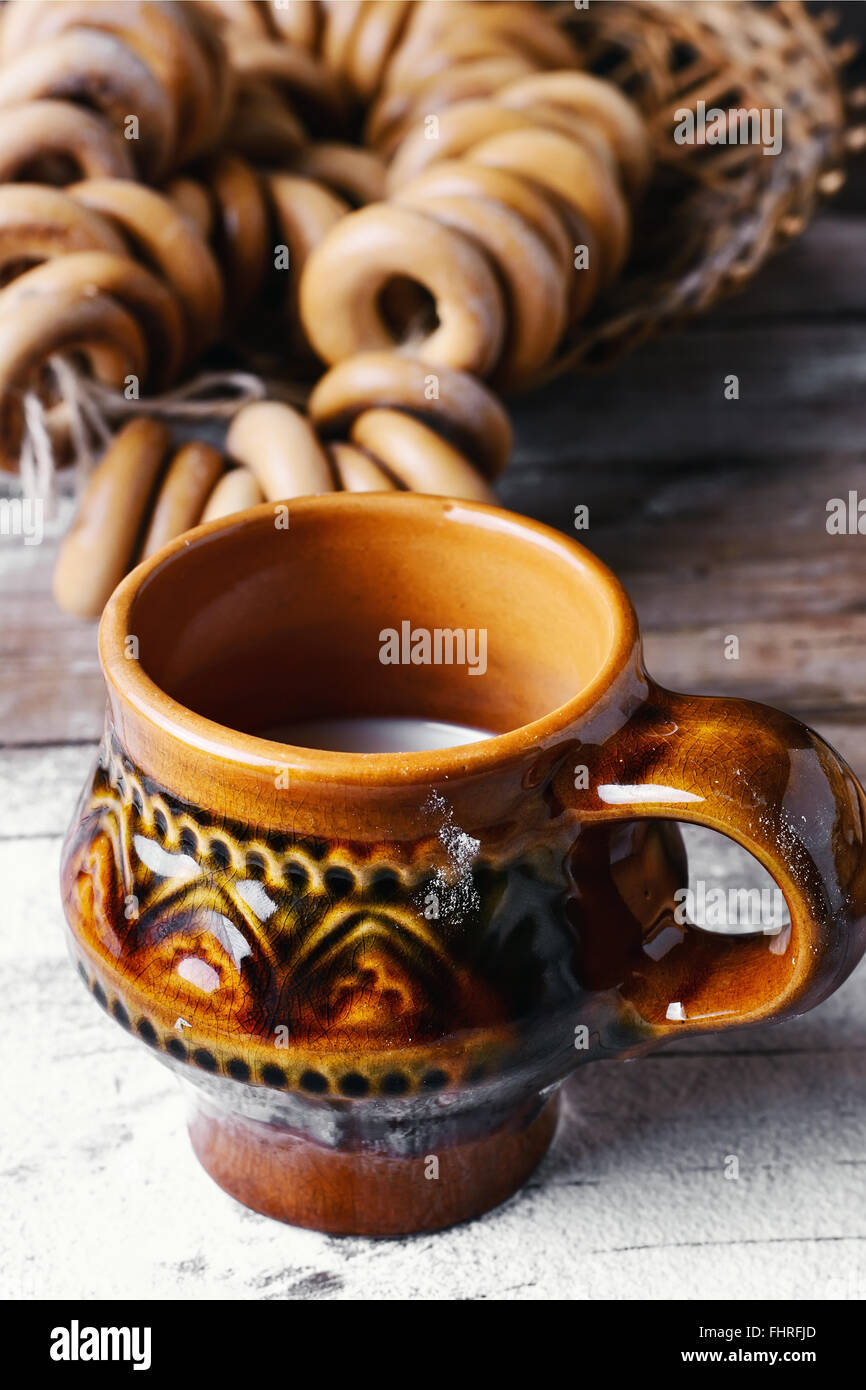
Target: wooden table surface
{"x": 713, "y": 512}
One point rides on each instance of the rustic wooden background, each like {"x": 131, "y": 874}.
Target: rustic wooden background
{"x": 713, "y": 512}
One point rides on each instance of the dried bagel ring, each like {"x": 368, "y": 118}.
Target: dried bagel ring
{"x": 545, "y": 42}
{"x": 263, "y": 128}
{"x": 514, "y": 26}
{"x": 161, "y": 36}
{"x": 237, "y": 16}
{"x": 572, "y": 173}
{"x": 340, "y": 18}
{"x": 463, "y": 125}
{"x": 102, "y": 273}
{"x": 559, "y": 227}
{"x": 100, "y": 546}
{"x": 186, "y": 485}
{"x": 117, "y": 82}
{"x": 42, "y": 325}
{"x": 453, "y": 51}
{"x": 345, "y": 275}
{"x": 356, "y": 471}
{"x": 308, "y": 85}
{"x": 18, "y": 23}
{"x": 374, "y": 41}
{"x": 355, "y": 174}
{"x": 241, "y": 230}
{"x": 391, "y": 117}
{"x": 420, "y": 458}
{"x": 279, "y": 446}
{"x": 535, "y": 286}
{"x": 38, "y": 223}
{"x": 192, "y": 199}
{"x": 236, "y": 490}
{"x": 182, "y": 53}
{"x": 297, "y": 21}
{"x": 453, "y": 403}
{"x": 168, "y": 242}
{"x": 574, "y": 127}
{"x": 223, "y": 83}
{"x": 434, "y": 35}
{"x": 304, "y": 212}
{"x": 599, "y": 101}
{"x": 461, "y": 178}
{"x": 197, "y": 63}
{"x": 468, "y": 123}
{"x": 56, "y": 143}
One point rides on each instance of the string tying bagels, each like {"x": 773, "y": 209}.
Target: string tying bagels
{"x": 139, "y": 283}
{"x": 107, "y": 270}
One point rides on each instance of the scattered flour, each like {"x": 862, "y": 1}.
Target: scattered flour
{"x": 454, "y": 891}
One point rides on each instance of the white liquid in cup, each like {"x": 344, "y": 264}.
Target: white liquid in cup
{"x": 399, "y": 734}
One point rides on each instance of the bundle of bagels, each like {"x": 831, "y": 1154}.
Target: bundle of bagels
{"x": 415, "y": 203}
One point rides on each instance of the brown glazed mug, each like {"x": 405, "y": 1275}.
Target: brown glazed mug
{"x": 373, "y": 970}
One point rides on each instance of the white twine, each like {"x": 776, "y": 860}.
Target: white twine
{"x": 84, "y": 410}
{"x": 85, "y": 420}
{"x": 38, "y": 473}
{"x": 194, "y": 400}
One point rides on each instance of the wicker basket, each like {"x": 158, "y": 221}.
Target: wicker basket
{"x": 714, "y": 213}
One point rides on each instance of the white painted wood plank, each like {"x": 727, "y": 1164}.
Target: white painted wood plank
{"x": 631, "y": 1202}
{"x": 39, "y": 788}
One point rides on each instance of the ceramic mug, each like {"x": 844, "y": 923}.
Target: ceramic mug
{"x": 373, "y": 970}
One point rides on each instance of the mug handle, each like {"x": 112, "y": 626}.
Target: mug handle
{"x": 774, "y": 786}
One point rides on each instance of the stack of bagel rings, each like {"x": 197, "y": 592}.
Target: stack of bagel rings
{"x": 365, "y": 431}
{"x": 415, "y": 201}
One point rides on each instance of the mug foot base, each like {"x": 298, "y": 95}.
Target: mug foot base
{"x": 292, "y": 1179}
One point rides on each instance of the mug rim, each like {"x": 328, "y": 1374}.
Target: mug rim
{"x": 129, "y": 682}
